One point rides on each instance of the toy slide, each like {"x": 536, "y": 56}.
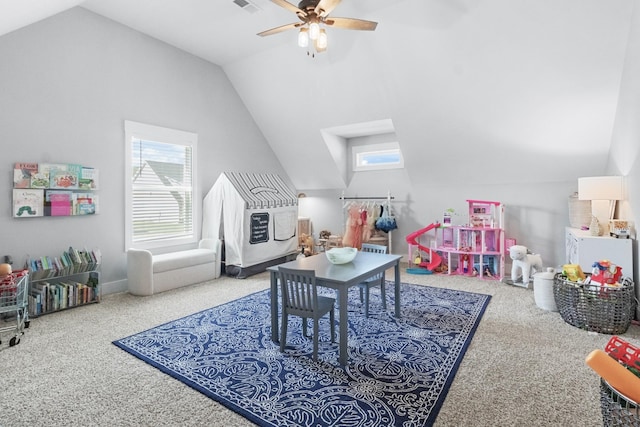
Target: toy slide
{"x": 434, "y": 258}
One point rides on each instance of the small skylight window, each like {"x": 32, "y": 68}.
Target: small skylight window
{"x": 377, "y": 157}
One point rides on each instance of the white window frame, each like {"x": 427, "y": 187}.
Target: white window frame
{"x": 135, "y": 130}
{"x": 358, "y": 151}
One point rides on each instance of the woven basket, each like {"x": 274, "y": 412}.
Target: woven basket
{"x": 617, "y": 409}
{"x": 579, "y": 212}
{"x": 606, "y": 310}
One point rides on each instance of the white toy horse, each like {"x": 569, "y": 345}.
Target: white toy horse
{"x": 524, "y": 261}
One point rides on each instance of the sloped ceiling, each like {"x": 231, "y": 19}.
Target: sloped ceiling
{"x": 15, "y": 14}
{"x": 483, "y": 90}
{"x": 478, "y": 91}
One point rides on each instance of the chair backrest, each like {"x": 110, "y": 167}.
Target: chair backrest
{"x": 299, "y": 293}
{"x": 378, "y": 249}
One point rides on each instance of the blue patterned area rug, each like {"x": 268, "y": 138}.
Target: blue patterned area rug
{"x": 398, "y": 372}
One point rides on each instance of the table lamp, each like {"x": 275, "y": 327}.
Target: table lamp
{"x": 603, "y": 191}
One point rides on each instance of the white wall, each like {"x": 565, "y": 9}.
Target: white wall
{"x": 67, "y": 85}
{"x": 624, "y": 157}
{"x": 535, "y": 213}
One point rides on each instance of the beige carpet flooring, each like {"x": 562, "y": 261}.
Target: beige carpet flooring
{"x": 524, "y": 367}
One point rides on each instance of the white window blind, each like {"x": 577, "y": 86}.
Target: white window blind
{"x": 161, "y": 187}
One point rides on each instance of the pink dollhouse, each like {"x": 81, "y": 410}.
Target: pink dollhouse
{"x": 478, "y": 247}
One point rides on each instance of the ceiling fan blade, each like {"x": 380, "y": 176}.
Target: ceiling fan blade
{"x": 325, "y": 7}
{"x": 290, "y": 7}
{"x": 280, "y": 29}
{"x": 351, "y": 24}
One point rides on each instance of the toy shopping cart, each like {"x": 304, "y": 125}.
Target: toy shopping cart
{"x": 14, "y": 290}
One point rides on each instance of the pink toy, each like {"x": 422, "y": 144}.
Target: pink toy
{"x": 605, "y": 273}
{"x": 435, "y": 259}
{"x": 353, "y": 234}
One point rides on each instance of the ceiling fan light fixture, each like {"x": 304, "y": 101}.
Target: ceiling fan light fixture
{"x": 314, "y": 30}
{"x": 321, "y": 42}
{"x": 314, "y": 15}
{"x": 303, "y": 37}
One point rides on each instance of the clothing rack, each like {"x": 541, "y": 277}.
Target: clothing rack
{"x": 388, "y": 198}
{"x": 367, "y": 198}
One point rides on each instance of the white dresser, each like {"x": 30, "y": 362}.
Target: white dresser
{"x": 585, "y": 249}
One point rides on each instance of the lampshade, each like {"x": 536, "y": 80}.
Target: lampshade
{"x": 314, "y": 30}
{"x": 321, "y": 43}
{"x": 601, "y": 188}
{"x": 603, "y": 191}
{"x": 303, "y": 37}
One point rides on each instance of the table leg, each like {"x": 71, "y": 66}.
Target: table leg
{"x": 274, "y": 307}
{"x": 397, "y": 288}
{"x": 342, "y": 296}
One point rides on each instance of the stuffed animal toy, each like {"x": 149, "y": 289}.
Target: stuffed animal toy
{"x": 306, "y": 241}
{"x": 524, "y": 261}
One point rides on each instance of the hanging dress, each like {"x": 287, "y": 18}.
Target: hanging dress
{"x": 386, "y": 222}
{"x": 352, "y": 230}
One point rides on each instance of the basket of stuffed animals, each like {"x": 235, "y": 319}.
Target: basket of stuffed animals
{"x": 594, "y": 306}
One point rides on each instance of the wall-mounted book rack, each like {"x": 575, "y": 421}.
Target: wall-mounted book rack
{"x": 54, "y": 189}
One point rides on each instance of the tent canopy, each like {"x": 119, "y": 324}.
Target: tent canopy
{"x": 255, "y": 215}
{"x": 262, "y": 191}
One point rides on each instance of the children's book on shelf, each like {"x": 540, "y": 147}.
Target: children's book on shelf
{"x": 64, "y": 176}
{"x": 47, "y": 297}
{"x": 40, "y": 178}
{"x": 88, "y": 179}
{"x": 54, "y": 284}
{"x": 58, "y": 202}
{"x": 85, "y": 204}
{"x": 28, "y": 202}
{"x": 22, "y": 173}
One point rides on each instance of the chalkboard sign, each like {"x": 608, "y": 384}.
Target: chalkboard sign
{"x": 259, "y": 232}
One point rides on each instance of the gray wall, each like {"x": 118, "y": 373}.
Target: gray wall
{"x": 67, "y": 85}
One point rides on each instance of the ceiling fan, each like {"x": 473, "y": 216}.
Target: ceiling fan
{"x": 313, "y": 14}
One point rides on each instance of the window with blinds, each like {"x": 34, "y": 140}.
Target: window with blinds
{"x": 160, "y": 202}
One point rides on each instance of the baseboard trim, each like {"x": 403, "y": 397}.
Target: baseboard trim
{"x": 115, "y": 287}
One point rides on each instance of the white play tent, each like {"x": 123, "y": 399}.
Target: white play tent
{"x": 255, "y": 215}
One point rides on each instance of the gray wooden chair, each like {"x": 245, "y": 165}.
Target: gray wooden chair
{"x": 300, "y": 298}
{"x": 377, "y": 280}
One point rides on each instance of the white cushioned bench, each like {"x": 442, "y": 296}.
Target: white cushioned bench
{"x": 150, "y": 274}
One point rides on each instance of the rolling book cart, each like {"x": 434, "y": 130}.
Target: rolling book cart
{"x": 69, "y": 281}
{"x": 13, "y": 302}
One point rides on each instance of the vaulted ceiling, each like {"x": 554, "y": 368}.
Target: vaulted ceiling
{"x": 497, "y": 86}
